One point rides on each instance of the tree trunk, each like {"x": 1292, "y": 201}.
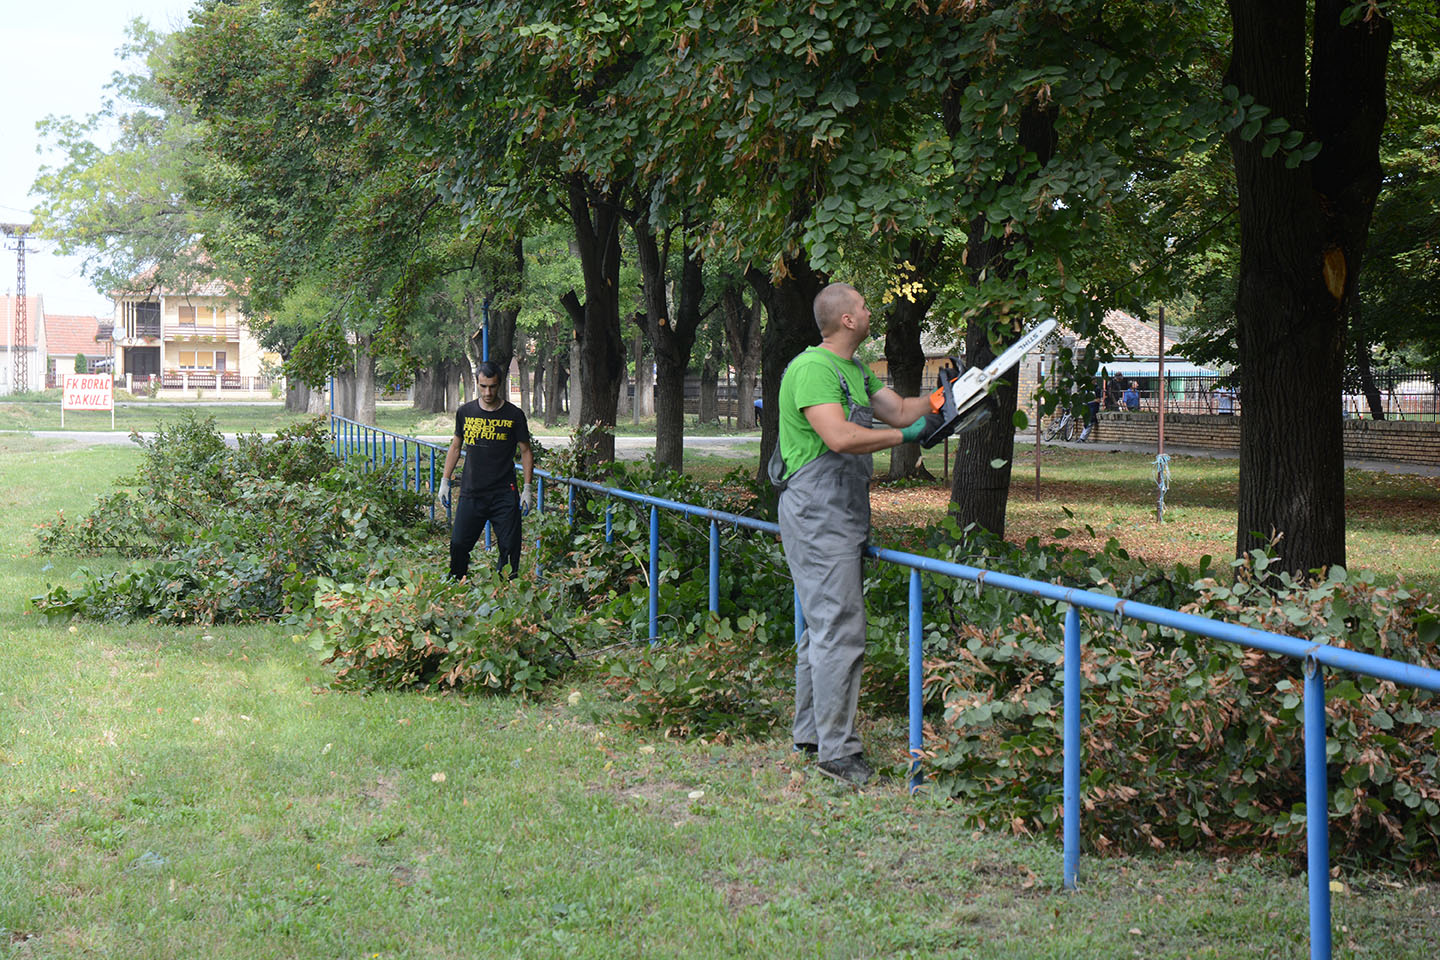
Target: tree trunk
{"x": 979, "y": 492}
{"x": 903, "y": 350}
{"x": 672, "y": 336}
{"x": 504, "y": 305}
{"x": 1302, "y": 238}
{"x": 709, "y": 381}
{"x": 574, "y": 377}
{"x": 1366, "y": 372}
{"x": 594, "y": 211}
{"x": 297, "y": 395}
{"x": 538, "y": 397}
{"x": 789, "y": 328}
{"x": 522, "y": 366}
{"x": 644, "y": 381}
{"x": 637, "y": 402}
{"x": 315, "y": 403}
{"x": 365, "y": 380}
{"x": 345, "y": 396}
{"x": 742, "y": 335}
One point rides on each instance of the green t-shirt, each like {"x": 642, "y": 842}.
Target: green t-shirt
{"x": 809, "y": 380}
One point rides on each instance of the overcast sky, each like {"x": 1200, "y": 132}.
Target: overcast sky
{"x": 58, "y": 55}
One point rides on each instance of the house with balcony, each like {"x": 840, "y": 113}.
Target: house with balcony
{"x": 195, "y": 338}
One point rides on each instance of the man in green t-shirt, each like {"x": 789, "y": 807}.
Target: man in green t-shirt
{"x": 828, "y": 401}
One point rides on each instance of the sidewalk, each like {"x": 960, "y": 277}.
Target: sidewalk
{"x": 1369, "y": 466}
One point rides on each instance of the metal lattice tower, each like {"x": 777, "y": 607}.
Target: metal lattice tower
{"x": 21, "y": 340}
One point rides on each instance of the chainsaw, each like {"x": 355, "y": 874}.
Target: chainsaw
{"x": 959, "y": 394}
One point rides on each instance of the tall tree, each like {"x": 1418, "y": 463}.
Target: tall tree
{"x": 1310, "y": 104}
{"x": 117, "y": 197}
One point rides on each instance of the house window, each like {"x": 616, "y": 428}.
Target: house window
{"x": 197, "y": 360}
{"x": 187, "y": 316}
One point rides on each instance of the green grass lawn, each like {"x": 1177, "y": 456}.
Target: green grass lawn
{"x": 200, "y": 791}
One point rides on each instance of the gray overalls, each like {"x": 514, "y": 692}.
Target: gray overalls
{"x": 824, "y": 524}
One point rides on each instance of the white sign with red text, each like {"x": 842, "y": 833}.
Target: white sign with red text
{"x": 89, "y": 391}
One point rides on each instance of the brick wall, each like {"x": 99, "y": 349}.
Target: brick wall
{"x": 1400, "y": 441}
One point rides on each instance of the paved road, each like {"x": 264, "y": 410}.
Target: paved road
{"x": 626, "y": 448}
{"x": 1370, "y": 466}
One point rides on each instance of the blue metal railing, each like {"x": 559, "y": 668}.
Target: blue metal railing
{"x": 1314, "y": 657}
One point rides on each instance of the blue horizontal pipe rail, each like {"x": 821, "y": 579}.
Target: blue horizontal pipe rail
{"x": 1314, "y": 656}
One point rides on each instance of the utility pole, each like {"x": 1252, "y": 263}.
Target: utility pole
{"x": 21, "y": 340}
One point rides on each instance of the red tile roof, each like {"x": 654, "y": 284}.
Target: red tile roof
{"x": 34, "y": 309}
{"x": 66, "y": 336}
{"x": 1137, "y": 339}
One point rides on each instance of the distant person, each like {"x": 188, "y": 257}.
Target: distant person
{"x": 1224, "y": 400}
{"x": 1131, "y": 396}
{"x": 491, "y": 430}
{"x": 1114, "y": 387}
{"x": 1092, "y": 409}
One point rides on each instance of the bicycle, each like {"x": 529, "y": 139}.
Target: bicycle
{"x": 1063, "y": 428}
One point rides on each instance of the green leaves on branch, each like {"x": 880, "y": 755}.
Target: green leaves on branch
{"x": 1250, "y": 120}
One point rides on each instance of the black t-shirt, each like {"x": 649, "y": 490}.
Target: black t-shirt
{"x": 489, "y": 438}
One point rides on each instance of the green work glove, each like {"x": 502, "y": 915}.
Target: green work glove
{"x": 919, "y": 428}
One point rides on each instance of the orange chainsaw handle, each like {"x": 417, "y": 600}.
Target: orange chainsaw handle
{"x": 948, "y": 376}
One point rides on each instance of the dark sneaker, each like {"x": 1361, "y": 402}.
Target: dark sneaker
{"x": 852, "y": 770}
{"x": 809, "y": 749}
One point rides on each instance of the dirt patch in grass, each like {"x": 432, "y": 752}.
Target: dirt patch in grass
{"x": 383, "y": 791}
{"x": 667, "y": 800}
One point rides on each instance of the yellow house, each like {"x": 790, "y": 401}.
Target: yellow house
{"x": 196, "y": 338}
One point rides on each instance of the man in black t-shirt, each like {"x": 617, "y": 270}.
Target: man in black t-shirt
{"x": 490, "y": 429}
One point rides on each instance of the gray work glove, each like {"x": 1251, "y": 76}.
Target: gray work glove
{"x": 527, "y": 499}
{"x": 445, "y": 493}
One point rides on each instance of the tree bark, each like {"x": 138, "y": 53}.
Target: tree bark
{"x": 904, "y": 352}
{"x": 644, "y": 380}
{"x": 709, "y": 384}
{"x": 742, "y": 336}
{"x": 365, "y": 380}
{"x": 297, "y": 396}
{"x": 1363, "y": 369}
{"x": 979, "y": 492}
{"x": 596, "y": 217}
{"x": 572, "y": 378}
{"x": 1302, "y": 239}
{"x": 790, "y": 327}
{"x": 671, "y": 334}
{"x": 538, "y": 397}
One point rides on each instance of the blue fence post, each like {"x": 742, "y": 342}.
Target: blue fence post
{"x": 917, "y": 730}
{"x": 799, "y": 632}
{"x": 1317, "y": 811}
{"x": 609, "y": 521}
{"x": 654, "y": 573}
{"x": 432, "y": 484}
{"x": 1071, "y": 785}
{"x": 714, "y": 567}
{"x": 540, "y": 494}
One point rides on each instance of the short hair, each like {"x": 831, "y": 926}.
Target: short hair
{"x": 488, "y": 368}
{"x": 831, "y": 303}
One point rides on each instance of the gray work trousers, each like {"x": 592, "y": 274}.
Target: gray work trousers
{"x": 824, "y": 524}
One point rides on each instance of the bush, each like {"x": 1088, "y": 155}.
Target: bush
{"x": 420, "y": 629}
{"x": 729, "y": 683}
{"x": 1190, "y": 742}
{"x": 231, "y": 535}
